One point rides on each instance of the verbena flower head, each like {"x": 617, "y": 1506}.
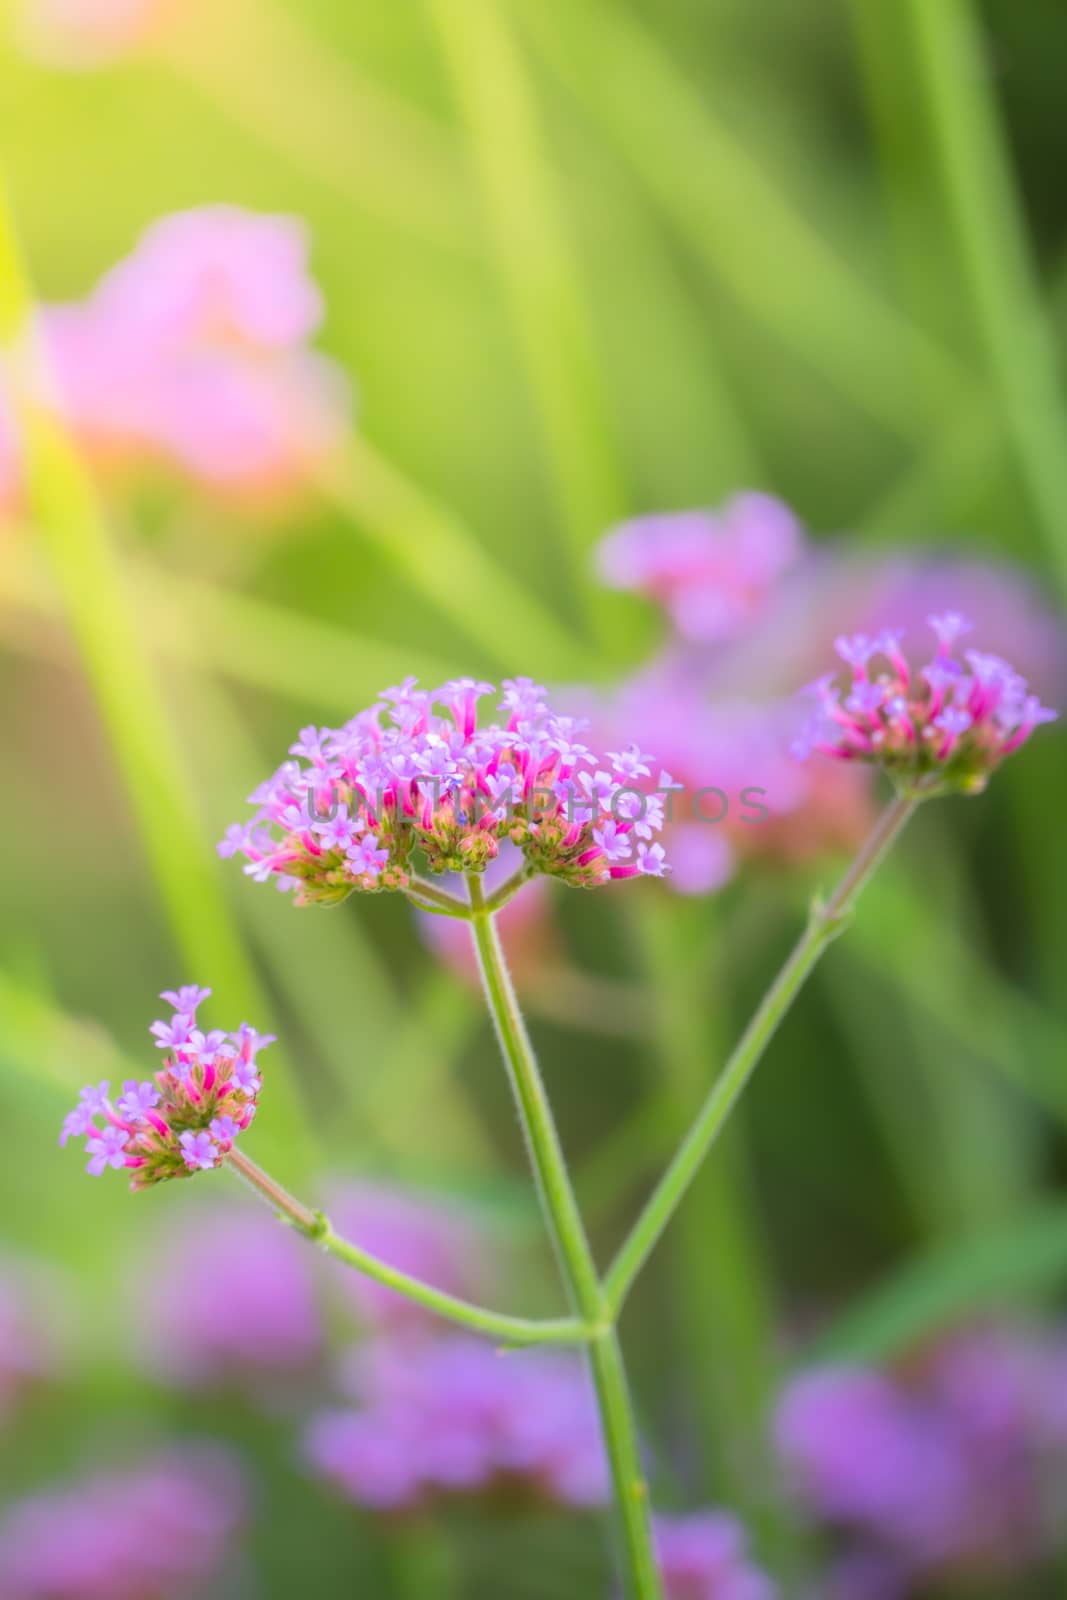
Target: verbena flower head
{"x": 941, "y": 728}
{"x": 705, "y": 1557}
{"x": 164, "y": 1529}
{"x": 452, "y": 1416}
{"x": 185, "y": 1118}
{"x": 356, "y": 803}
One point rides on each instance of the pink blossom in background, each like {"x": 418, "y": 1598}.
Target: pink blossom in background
{"x": 454, "y": 1416}
{"x": 159, "y": 1530}
{"x": 429, "y": 1237}
{"x": 78, "y": 34}
{"x": 718, "y": 702}
{"x": 192, "y": 355}
{"x": 954, "y": 1465}
{"x": 712, "y": 571}
{"x": 705, "y": 1557}
{"x": 524, "y": 924}
{"x": 30, "y": 1309}
{"x": 10, "y": 470}
{"x": 237, "y": 1304}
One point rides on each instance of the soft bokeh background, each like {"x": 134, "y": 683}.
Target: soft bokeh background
{"x": 580, "y": 261}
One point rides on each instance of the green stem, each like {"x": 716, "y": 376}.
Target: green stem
{"x": 574, "y": 1254}
{"x": 314, "y": 1226}
{"x": 725, "y": 1295}
{"x": 825, "y": 922}
{"x": 428, "y": 897}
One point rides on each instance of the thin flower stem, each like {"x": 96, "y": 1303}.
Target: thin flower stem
{"x": 574, "y": 1254}
{"x": 827, "y": 919}
{"x": 316, "y": 1227}
{"x": 429, "y": 898}
{"x": 509, "y": 888}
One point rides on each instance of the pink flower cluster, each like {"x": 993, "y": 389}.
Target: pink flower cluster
{"x": 186, "y": 1118}
{"x": 944, "y": 727}
{"x": 712, "y": 570}
{"x": 705, "y": 1557}
{"x": 192, "y": 354}
{"x": 363, "y": 798}
{"x": 160, "y": 1531}
{"x": 452, "y": 1416}
{"x": 749, "y": 604}
{"x": 950, "y": 1466}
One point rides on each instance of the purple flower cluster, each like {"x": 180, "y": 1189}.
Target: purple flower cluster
{"x": 351, "y": 810}
{"x": 949, "y": 1467}
{"x": 705, "y": 1557}
{"x": 157, "y": 1532}
{"x": 184, "y": 1119}
{"x": 941, "y": 728}
{"x": 453, "y": 1416}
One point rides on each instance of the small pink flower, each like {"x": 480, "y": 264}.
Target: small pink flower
{"x": 187, "y": 1117}
{"x": 940, "y": 728}
{"x": 408, "y": 778}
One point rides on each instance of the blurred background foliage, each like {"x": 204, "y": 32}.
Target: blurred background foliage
{"x": 579, "y": 261}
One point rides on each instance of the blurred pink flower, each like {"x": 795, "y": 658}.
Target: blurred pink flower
{"x": 431, "y": 1238}
{"x": 191, "y": 354}
{"x": 77, "y": 34}
{"x": 159, "y": 1531}
{"x": 750, "y": 608}
{"x": 454, "y": 1416}
{"x": 949, "y": 1465}
{"x": 29, "y": 1311}
{"x": 236, "y": 1305}
{"x": 704, "y": 1557}
{"x": 711, "y": 570}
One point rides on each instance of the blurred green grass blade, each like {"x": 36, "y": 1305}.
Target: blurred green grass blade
{"x": 540, "y": 272}
{"x": 724, "y": 1283}
{"x": 433, "y": 1030}
{"x": 262, "y": 67}
{"x": 253, "y": 642}
{"x": 46, "y": 1045}
{"x": 903, "y": 939}
{"x": 952, "y": 1284}
{"x": 739, "y": 220}
{"x": 980, "y": 197}
{"x": 444, "y": 562}
{"x": 942, "y": 483}
{"x": 86, "y": 568}
{"x": 960, "y": 1147}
